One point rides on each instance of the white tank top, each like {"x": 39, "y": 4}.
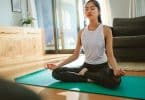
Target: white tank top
{"x": 93, "y": 44}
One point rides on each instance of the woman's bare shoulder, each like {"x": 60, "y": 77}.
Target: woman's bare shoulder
{"x": 107, "y": 30}
{"x": 80, "y": 32}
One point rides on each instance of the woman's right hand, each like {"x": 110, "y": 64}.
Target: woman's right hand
{"x": 51, "y": 66}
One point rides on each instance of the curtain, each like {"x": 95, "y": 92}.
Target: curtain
{"x": 106, "y": 12}
{"x": 136, "y": 8}
{"x": 31, "y": 12}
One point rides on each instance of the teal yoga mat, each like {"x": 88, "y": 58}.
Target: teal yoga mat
{"x": 130, "y": 87}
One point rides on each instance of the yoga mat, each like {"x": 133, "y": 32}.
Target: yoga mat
{"x": 130, "y": 87}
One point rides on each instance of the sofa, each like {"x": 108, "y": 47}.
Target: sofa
{"x": 129, "y": 38}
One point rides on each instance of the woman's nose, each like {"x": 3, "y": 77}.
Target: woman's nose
{"x": 89, "y": 12}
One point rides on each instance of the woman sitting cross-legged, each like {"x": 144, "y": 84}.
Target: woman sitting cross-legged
{"x": 100, "y": 65}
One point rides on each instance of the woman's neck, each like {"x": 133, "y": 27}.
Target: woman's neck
{"x": 93, "y": 24}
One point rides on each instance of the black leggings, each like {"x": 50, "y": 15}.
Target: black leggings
{"x": 100, "y": 74}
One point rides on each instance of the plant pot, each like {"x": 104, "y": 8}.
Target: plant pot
{"x": 27, "y": 25}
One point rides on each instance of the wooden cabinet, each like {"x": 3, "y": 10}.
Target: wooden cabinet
{"x": 18, "y": 45}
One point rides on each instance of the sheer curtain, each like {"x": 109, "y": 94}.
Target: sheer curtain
{"x": 106, "y": 12}
{"x": 32, "y": 12}
{"x": 136, "y": 8}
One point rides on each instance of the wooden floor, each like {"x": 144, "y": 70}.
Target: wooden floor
{"x": 11, "y": 71}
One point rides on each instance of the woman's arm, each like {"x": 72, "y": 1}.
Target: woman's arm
{"x": 109, "y": 51}
{"x": 76, "y": 52}
{"x": 74, "y": 56}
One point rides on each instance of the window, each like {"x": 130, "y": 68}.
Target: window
{"x": 61, "y": 20}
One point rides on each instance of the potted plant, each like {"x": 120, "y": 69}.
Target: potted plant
{"x": 28, "y": 21}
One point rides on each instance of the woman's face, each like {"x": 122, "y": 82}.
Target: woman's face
{"x": 91, "y": 11}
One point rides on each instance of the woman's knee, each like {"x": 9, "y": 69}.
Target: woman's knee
{"x": 117, "y": 81}
{"x": 56, "y": 73}
{"x": 114, "y": 83}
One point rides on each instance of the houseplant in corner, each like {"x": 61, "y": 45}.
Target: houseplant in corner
{"x": 28, "y": 21}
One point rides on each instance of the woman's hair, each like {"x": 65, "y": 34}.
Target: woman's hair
{"x": 96, "y": 3}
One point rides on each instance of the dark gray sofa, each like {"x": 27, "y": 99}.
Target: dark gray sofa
{"x": 129, "y": 38}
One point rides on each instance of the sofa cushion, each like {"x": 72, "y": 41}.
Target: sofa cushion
{"x": 129, "y": 42}
{"x": 130, "y": 54}
{"x": 129, "y": 26}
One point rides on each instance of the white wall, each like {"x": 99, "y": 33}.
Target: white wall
{"x": 120, "y": 8}
{"x": 9, "y": 18}
{"x": 5, "y": 11}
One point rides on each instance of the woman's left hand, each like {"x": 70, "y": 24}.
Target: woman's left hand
{"x": 119, "y": 72}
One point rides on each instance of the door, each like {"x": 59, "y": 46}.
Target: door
{"x": 61, "y": 19}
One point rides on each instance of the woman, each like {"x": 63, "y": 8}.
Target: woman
{"x": 100, "y": 65}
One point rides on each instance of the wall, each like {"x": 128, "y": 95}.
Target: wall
{"x": 119, "y": 8}
{"x": 9, "y": 18}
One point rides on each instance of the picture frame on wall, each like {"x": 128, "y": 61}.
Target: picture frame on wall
{"x": 16, "y": 5}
